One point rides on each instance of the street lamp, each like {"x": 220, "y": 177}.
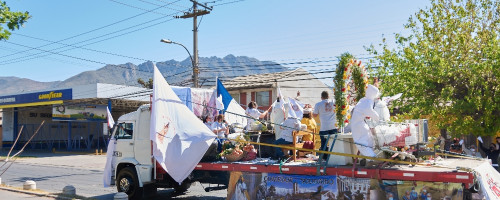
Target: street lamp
{"x": 195, "y": 66}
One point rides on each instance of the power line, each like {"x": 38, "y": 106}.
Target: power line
{"x": 88, "y": 49}
{"x": 139, "y": 8}
{"x": 112, "y": 37}
{"x": 96, "y": 29}
{"x": 231, "y": 2}
{"x": 58, "y": 53}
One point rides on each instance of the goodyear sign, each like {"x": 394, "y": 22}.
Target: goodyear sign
{"x": 36, "y": 98}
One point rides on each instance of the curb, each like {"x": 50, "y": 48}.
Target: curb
{"x": 33, "y": 193}
{"x": 76, "y": 153}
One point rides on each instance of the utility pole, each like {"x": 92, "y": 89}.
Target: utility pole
{"x": 194, "y": 14}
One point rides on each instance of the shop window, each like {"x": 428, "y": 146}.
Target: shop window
{"x": 125, "y": 131}
{"x": 262, "y": 98}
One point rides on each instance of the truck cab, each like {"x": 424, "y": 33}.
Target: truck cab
{"x": 134, "y": 169}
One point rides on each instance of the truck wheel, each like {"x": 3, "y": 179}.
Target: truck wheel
{"x": 128, "y": 182}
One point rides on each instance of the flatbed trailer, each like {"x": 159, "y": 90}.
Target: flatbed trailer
{"x": 450, "y": 177}
{"x": 405, "y": 173}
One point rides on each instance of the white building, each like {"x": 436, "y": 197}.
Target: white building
{"x": 263, "y": 88}
{"x": 83, "y": 129}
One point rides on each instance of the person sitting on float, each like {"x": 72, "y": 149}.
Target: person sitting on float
{"x": 208, "y": 121}
{"x": 221, "y": 130}
{"x": 311, "y": 126}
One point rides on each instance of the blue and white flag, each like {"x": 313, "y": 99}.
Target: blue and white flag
{"x": 234, "y": 113}
{"x": 179, "y": 138}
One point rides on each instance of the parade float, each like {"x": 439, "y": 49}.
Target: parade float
{"x": 246, "y": 174}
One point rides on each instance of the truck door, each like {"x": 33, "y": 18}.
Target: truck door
{"x": 124, "y": 140}
{"x": 142, "y": 147}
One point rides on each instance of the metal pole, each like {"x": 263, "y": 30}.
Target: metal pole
{"x": 195, "y": 47}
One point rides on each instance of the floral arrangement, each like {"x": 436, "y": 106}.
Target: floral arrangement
{"x": 233, "y": 153}
{"x": 350, "y": 74}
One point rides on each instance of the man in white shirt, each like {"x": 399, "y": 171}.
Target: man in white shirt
{"x": 325, "y": 110}
{"x": 287, "y": 127}
{"x": 254, "y": 114}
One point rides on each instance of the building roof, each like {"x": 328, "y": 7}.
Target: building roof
{"x": 262, "y": 80}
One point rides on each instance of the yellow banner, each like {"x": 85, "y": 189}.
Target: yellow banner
{"x": 32, "y": 104}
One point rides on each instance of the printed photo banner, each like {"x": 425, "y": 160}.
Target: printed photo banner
{"x": 84, "y": 113}
{"x": 247, "y": 185}
{"x": 415, "y": 190}
{"x": 201, "y": 102}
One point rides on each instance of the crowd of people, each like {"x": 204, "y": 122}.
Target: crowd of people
{"x": 321, "y": 120}
{"x": 456, "y": 145}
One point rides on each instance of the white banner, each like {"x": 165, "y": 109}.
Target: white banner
{"x": 179, "y": 138}
{"x": 109, "y": 161}
{"x": 489, "y": 181}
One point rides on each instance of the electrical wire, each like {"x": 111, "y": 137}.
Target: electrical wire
{"x": 96, "y": 29}
{"x": 88, "y": 49}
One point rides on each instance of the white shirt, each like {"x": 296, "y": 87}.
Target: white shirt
{"x": 287, "y": 128}
{"x": 325, "y": 109}
{"x": 253, "y": 113}
{"x": 216, "y": 126}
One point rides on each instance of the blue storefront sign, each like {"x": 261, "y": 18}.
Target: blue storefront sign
{"x": 37, "y": 97}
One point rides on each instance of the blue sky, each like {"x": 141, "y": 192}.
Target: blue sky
{"x": 121, "y": 31}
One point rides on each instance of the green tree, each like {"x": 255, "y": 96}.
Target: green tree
{"x": 144, "y": 84}
{"x": 447, "y": 66}
{"x": 12, "y": 20}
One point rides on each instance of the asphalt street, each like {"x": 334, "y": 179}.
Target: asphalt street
{"x": 52, "y": 172}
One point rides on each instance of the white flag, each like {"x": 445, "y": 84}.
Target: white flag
{"x": 297, "y": 108}
{"x": 179, "y": 138}
{"x": 111, "y": 122}
{"x": 109, "y": 153}
{"x": 109, "y": 161}
{"x": 218, "y": 103}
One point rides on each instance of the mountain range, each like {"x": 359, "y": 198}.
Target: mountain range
{"x": 176, "y": 73}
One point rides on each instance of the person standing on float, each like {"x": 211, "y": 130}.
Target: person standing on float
{"x": 361, "y": 133}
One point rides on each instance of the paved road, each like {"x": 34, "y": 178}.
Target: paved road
{"x": 52, "y": 172}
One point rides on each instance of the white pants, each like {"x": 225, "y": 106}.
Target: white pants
{"x": 363, "y": 138}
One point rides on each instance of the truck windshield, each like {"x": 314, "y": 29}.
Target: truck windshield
{"x": 125, "y": 131}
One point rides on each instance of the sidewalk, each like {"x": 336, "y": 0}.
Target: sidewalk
{"x": 13, "y": 194}
{"x": 53, "y": 171}
{"x": 85, "y": 160}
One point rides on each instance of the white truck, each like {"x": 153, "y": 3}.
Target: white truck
{"x": 133, "y": 168}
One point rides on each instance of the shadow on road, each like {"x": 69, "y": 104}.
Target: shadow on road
{"x": 164, "y": 194}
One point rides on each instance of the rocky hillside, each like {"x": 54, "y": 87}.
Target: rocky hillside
{"x": 176, "y": 73}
